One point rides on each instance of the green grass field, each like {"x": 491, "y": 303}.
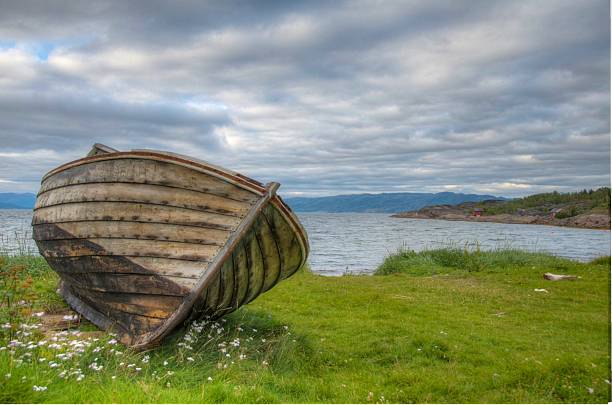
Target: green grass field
{"x": 438, "y": 326}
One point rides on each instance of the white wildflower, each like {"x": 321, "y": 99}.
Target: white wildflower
{"x": 39, "y": 314}
{"x": 39, "y": 388}
{"x": 165, "y": 362}
{"x": 210, "y": 379}
{"x": 112, "y": 342}
{"x": 265, "y": 363}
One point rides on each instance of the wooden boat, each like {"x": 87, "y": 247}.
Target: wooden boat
{"x": 145, "y": 240}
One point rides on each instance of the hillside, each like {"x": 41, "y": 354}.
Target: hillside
{"x": 17, "y": 200}
{"x": 584, "y": 209}
{"x": 384, "y": 203}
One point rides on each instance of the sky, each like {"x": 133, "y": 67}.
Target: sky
{"x": 499, "y": 97}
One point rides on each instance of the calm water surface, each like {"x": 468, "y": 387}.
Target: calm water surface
{"x": 358, "y": 243}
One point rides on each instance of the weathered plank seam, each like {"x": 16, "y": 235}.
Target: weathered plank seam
{"x": 250, "y": 201}
{"x": 136, "y": 256}
{"x": 211, "y": 211}
{"x": 199, "y": 241}
{"x": 208, "y": 226}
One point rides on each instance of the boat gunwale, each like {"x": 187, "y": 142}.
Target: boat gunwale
{"x": 225, "y": 175}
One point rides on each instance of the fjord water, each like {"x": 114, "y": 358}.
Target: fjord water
{"x": 358, "y": 243}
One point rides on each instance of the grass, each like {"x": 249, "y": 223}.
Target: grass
{"x": 438, "y": 326}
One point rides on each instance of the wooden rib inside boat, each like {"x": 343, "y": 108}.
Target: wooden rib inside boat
{"x": 145, "y": 240}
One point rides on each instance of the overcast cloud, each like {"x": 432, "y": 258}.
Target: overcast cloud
{"x": 502, "y": 97}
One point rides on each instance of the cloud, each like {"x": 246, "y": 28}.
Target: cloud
{"x": 327, "y": 98}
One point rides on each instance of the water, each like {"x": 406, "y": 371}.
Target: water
{"x": 16, "y": 232}
{"x": 358, "y": 243}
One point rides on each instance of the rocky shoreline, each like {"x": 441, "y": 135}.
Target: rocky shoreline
{"x": 453, "y": 213}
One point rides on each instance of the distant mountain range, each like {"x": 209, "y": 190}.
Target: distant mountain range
{"x": 384, "y": 203}
{"x": 17, "y": 200}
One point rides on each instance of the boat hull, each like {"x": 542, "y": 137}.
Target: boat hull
{"x": 143, "y": 241}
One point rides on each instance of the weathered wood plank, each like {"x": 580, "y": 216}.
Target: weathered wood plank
{"x": 241, "y": 275}
{"x": 291, "y": 253}
{"x": 212, "y": 296}
{"x": 100, "y": 149}
{"x": 126, "y": 283}
{"x": 172, "y": 268}
{"x": 159, "y": 301}
{"x": 59, "y": 321}
{"x": 270, "y": 253}
{"x": 132, "y": 308}
{"x": 135, "y": 324}
{"x": 227, "y": 280}
{"x": 110, "y": 211}
{"x": 130, "y": 230}
{"x": 256, "y": 266}
{"x": 126, "y": 247}
{"x": 142, "y": 193}
{"x": 147, "y": 171}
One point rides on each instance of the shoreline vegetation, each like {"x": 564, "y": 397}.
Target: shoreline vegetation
{"x": 444, "y": 325}
{"x": 585, "y": 209}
